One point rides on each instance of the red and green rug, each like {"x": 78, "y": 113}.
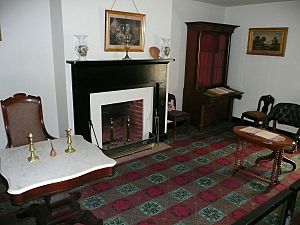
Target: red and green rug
{"x": 190, "y": 183}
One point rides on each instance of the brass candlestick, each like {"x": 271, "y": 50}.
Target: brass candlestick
{"x": 69, "y": 149}
{"x": 126, "y": 50}
{"x": 127, "y": 40}
{"x": 33, "y": 157}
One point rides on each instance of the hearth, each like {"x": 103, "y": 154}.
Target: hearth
{"x": 119, "y": 82}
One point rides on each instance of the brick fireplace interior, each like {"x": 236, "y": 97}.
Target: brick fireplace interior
{"x": 122, "y": 123}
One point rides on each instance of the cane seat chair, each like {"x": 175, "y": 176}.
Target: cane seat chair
{"x": 22, "y": 114}
{"x": 175, "y": 115}
{"x": 286, "y": 114}
{"x": 265, "y": 104}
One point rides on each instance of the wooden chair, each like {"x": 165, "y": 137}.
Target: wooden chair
{"x": 22, "y": 114}
{"x": 175, "y": 115}
{"x": 265, "y": 104}
{"x": 287, "y": 114}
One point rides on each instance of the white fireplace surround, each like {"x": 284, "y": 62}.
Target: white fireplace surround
{"x": 105, "y": 98}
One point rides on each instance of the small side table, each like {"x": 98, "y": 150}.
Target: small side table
{"x": 276, "y": 144}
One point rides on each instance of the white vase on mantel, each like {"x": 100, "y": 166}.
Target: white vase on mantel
{"x": 165, "y": 49}
{"x": 81, "y": 47}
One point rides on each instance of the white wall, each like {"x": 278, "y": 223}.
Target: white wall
{"x": 26, "y": 56}
{"x": 88, "y": 17}
{"x": 258, "y": 75}
{"x": 187, "y": 11}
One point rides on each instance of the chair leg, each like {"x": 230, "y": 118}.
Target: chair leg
{"x": 174, "y": 129}
{"x": 187, "y": 125}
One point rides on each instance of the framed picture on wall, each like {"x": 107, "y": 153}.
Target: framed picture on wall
{"x": 122, "y": 28}
{"x": 267, "y": 41}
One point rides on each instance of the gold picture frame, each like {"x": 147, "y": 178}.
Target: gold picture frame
{"x": 267, "y": 41}
{"x": 119, "y": 24}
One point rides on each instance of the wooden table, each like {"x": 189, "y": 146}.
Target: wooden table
{"x": 50, "y": 177}
{"x": 275, "y": 142}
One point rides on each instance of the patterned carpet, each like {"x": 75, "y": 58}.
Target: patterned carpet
{"x": 190, "y": 183}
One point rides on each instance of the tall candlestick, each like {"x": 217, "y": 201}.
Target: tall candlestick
{"x": 69, "y": 149}
{"x": 33, "y": 157}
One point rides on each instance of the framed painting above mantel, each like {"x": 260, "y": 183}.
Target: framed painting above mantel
{"x": 267, "y": 41}
{"x": 124, "y": 26}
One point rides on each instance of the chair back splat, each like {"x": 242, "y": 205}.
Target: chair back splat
{"x": 22, "y": 114}
{"x": 265, "y": 104}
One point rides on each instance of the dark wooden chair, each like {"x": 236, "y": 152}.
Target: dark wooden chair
{"x": 175, "y": 115}
{"x": 22, "y": 114}
{"x": 287, "y": 114}
{"x": 265, "y": 104}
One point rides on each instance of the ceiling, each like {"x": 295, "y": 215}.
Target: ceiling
{"x": 228, "y": 3}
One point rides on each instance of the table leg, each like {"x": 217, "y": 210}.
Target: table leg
{"x": 276, "y": 169}
{"x": 239, "y": 156}
{"x": 279, "y": 164}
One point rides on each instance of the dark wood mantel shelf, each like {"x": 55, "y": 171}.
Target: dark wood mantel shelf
{"x": 94, "y": 76}
{"x": 114, "y": 61}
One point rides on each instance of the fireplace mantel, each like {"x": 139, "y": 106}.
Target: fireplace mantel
{"x": 111, "y": 75}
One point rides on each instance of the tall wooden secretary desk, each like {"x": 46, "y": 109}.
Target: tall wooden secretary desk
{"x": 206, "y": 95}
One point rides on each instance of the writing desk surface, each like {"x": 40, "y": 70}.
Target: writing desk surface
{"x": 23, "y": 176}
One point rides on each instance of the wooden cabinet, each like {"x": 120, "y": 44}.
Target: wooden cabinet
{"x": 207, "y": 58}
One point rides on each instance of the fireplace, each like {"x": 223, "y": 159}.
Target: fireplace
{"x": 99, "y": 84}
{"x": 127, "y": 111}
{"x": 121, "y": 123}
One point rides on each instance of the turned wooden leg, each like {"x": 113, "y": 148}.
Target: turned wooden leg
{"x": 279, "y": 164}
{"x": 276, "y": 168}
{"x": 239, "y": 156}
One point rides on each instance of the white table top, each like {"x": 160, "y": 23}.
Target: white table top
{"x": 22, "y": 175}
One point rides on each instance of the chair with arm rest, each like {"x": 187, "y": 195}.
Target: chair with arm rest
{"x": 22, "y": 114}
{"x": 287, "y": 114}
{"x": 265, "y": 104}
